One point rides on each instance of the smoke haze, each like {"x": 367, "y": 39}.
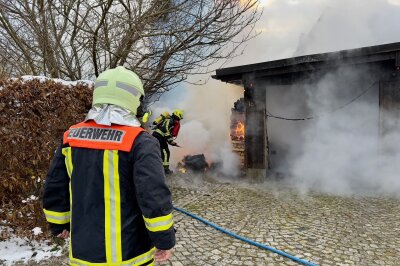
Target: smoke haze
{"x": 338, "y": 150}
{"x": 206, "y": 124}
{"x": 334, "y": 153}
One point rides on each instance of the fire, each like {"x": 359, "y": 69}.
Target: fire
{"x": 239, "y": 131}
{"x": 181, "y": 168}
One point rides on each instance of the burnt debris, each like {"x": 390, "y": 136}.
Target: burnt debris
{"x": 196, "y": 163}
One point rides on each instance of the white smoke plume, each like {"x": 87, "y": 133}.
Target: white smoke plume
{"x": 297, "y": 27}
{"x": 339, "y": 149}
{"x": 206, "y": 124}
{"x": 336, "y": 153}
{"x": 339, "y": 152}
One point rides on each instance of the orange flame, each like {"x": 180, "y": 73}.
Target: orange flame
{"x": 239, "y": 131}
{"x": 181, "y": 168}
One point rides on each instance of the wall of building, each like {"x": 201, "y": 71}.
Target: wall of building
{"x": 389, "y": 114}
{"x": 341, "y": 109}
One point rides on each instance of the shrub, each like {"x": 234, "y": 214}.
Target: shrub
{"x": 33, "y": 116}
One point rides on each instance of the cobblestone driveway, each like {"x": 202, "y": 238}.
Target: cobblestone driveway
{"x": 327, "y": 230}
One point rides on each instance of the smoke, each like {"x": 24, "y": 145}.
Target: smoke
{"x": 339, "y": 150}
{"x": 291, "y": 28}
{"x": 347, "y": 24}
{"x": 205, "y": 128}
{"x": 315, "y": 151}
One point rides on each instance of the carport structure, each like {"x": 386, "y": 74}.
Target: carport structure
{"x": 255, "y": 79}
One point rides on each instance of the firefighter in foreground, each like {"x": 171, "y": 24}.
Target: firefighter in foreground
{"x": 106, "y": 186}
{"x": 166, "y": 128}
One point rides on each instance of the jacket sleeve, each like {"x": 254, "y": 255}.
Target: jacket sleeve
{"x": 152, "y": 193}
{"x": 56, "y": 205}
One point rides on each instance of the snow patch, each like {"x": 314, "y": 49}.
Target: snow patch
{"x": 61, "y": 81}
{"x": 30, "y": 199}
{"x": 22, "y": 249}
{"x": 37, "y": 231}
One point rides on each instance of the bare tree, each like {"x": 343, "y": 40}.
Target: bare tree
{"x": 162, "y": 40}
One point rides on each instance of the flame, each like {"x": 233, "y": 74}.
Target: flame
{"x": 181, "y": 168}
{"x": 239, "y": 131}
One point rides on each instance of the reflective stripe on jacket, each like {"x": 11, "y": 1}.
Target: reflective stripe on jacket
{"x": 164, "y": 128}
{"x": 107, "y": 184}
{"x": 169, "y": 128}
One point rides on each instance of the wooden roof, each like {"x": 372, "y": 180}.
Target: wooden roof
{"x": 389, "y": 53}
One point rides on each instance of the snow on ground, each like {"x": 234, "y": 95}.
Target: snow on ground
{"x": 16, "y": 249}
{"x": 37, "y": 231}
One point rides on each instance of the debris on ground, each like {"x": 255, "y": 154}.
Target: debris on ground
{"x": 195, "y": 163}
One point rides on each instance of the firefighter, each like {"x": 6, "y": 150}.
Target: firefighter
{"x": 166, "y": 130}
{"x": 106, "y": 186}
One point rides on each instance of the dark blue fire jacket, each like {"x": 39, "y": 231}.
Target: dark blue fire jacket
{"x": 106, "y": 185}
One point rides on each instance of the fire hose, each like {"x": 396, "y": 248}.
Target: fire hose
{"x": 251, "y": 242}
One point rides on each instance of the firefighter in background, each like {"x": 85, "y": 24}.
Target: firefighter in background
{"x": 166, "y": 129}
{"x": 106, "y": 186}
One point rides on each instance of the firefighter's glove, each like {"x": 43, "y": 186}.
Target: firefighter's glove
{"x": 145, "y": 117}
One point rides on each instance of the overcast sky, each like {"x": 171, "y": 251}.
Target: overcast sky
{"x": 296, "y": 27}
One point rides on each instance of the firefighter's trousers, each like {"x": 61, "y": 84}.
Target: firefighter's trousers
{"x": 165, "y": 153}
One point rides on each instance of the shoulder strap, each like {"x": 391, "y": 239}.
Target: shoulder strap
{"x": 93, "y": 136}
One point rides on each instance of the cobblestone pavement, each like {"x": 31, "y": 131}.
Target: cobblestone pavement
{"x": 326, "y": 230}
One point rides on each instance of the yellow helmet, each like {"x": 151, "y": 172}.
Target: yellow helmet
{"x": 178, "y": 113}
{"x": 119, "y": 86}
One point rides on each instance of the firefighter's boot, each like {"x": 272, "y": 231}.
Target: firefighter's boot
{"x": 168, "y": 171}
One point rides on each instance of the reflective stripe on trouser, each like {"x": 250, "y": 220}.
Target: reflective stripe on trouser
{"x": 160, "y": 223}
{"x": 136, "y": 261}
{"x": 57, "y": 217}
{"x": 165, "y": 157}
{"x": 112, "y": 202}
